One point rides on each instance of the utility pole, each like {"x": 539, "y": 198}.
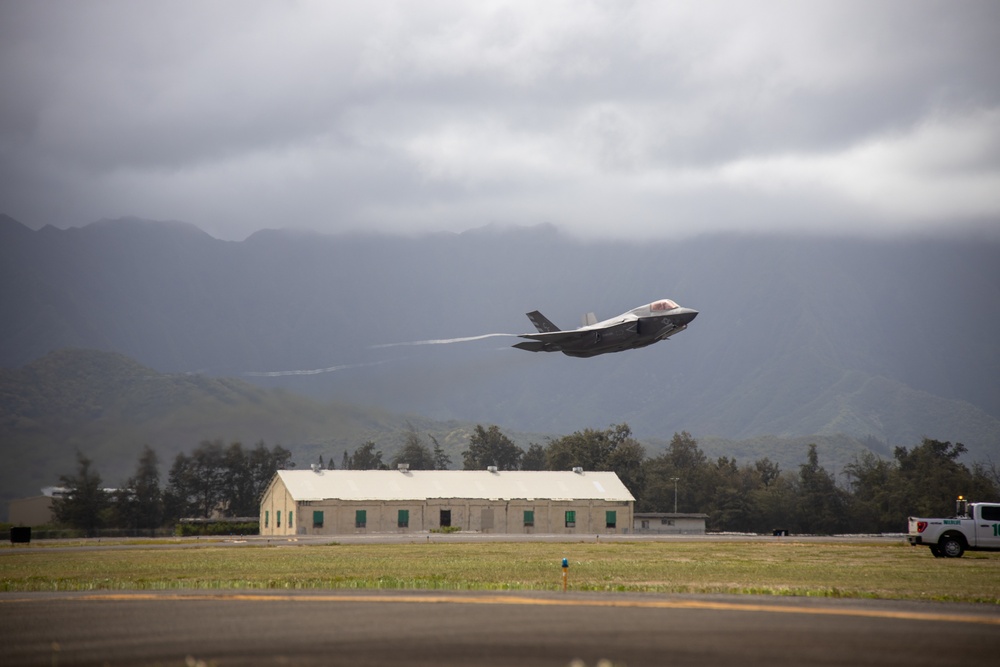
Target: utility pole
{"x": 675, "y": 493}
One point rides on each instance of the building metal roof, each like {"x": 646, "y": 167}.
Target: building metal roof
{"x": 428, "y": 484}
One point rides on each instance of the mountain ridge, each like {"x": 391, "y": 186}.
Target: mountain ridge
{"x": 793, "y": 337}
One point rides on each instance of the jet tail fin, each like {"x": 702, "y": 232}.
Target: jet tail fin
{"x": 541, "y": 322}
{"x": 589, "y": 319}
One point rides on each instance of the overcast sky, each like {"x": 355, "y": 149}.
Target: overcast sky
{"x": 625, "y": 119}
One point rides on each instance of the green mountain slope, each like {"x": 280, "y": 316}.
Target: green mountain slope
{"x": 109, "y": 406}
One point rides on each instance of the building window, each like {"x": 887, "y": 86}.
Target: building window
{"x": 611, "y": 519}
{"x": 267, "y": 516}
{"x": 445, "y": 518}
{"x": 317, "y": 519}
{"x": 571, "y": 518}
{"x": 404, "y": 519}
{"x": 529, "y": 518}
{"x": 667, "y": 522}
{"x": 291, "y": 524}
{"x": 645, "y": 523}
{"x": 360, "y": 518}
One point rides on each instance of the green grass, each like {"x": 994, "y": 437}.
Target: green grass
{"x": 856, "y": 570}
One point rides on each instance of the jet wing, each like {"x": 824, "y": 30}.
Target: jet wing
{"x": 557, "y": 337}
{"x": 553, "y": 341}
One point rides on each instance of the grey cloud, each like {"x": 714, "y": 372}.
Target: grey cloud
{"x": 626, "y": 118}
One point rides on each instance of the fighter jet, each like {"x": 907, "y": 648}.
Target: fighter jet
{"x": 637, "y": 328}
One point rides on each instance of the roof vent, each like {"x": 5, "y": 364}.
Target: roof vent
{"x": 403, "y": 467}
{"x": 491, "y": 468}
{"x": 578, "y": 470}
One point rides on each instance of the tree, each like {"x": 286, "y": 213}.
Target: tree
{"x": 263, "y": 463}
{"x": 730, "y": 507}
{"x": 612, "y": 449}
{"x": 414, "y": 453}
{"x": 490, "y": 447}
{"x": 685, "y": 461}
{"x": 932, "y": 477}
{"x": 534, "y": 458}
{"x": 986, "y": 480}
{"x": 589, "y": 449}
{"x": 247, "y": 474}
{"x": 684, "y": 453}
{"x": 877, "y": 501}
{"x": 139, "y": 505}
{"x": 215, "y": 479}
{"x": 83, "y": 502}
{"x": 774, "y": 505}
{"x": 625, "y": 460}
{"x": 767, "y": 470}
{"x": 238, "y": 498}
{"x": 366, "y": 458}
{"x": 441, "y": 460}
{"x": 196, "y": 483}
{"x": 822, "y": 506}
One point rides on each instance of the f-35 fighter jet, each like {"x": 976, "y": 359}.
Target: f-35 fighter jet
{"x": 637, "y": 328}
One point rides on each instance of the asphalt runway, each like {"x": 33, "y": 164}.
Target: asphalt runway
{"x": 490, "y": 629}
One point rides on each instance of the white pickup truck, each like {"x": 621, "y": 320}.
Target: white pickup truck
{"x": 975, "y": 527}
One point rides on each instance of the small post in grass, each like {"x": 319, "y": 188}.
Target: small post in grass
{"x": 565, "y": 566}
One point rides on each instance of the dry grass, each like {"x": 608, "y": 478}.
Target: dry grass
{"x": 769, "y": 568}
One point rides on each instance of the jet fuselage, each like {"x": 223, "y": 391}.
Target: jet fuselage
{"x": 636, "y": 328}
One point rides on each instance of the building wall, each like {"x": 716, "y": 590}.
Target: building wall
{"x": 275, "y": 508}
{"x": 35, "y": 511}
{"x": 468, "y": 514}
{"x": 666, "y": 525}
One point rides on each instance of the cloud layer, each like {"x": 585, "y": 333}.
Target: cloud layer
{"x": 626, "y": 119}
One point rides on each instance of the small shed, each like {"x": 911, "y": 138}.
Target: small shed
{"x": 669, "y": 523}
{"x": 337, "y": 502}
{"x": 34, "y": 511}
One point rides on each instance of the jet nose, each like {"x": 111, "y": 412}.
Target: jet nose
{"x": 683, "y": 316}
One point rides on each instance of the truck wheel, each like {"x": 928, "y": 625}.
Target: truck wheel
{"x": 951, "y": 546}
{"x": 936, "y": 550}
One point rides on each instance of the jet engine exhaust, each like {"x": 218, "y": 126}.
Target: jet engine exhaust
{"x": 444, "y": 341}
{"x": 313, "y": 371}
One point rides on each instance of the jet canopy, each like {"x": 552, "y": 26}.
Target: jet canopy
{"x": 662, "y": 306}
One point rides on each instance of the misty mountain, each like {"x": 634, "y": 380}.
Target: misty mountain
{"x": 109, "y": 406}
{"x": 887, "y": 341}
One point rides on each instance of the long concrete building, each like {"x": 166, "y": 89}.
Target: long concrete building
{"x": 338, "y": 502}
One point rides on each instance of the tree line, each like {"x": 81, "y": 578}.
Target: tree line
{"x": 875, "y": 495}
{"x": 213, "y": 480}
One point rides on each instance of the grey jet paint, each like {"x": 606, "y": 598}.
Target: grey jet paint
{"x": 637, "y": 328}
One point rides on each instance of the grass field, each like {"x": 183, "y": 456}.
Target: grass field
{"x": 855, "y": 570}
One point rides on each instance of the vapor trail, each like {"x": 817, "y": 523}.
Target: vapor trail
{"x": 314, "y": 371}
{"x": 443, "y": 341}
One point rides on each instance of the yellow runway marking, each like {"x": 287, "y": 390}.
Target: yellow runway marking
{"x": 550, "y": 602}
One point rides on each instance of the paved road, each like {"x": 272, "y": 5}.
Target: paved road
{"x": 420, "y": 628}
